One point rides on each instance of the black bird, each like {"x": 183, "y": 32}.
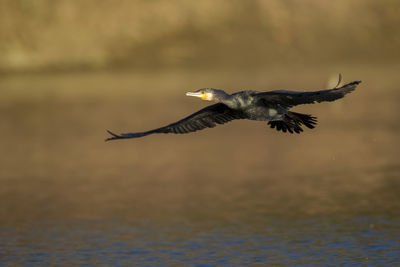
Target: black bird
{"x": 272, "y": 107}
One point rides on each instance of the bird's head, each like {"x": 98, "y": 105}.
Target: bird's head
{"x": 208, "y": 94}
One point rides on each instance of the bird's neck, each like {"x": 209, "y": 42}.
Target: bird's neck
{"x": 235, "y": 101}
{"x": 227, "y": 99}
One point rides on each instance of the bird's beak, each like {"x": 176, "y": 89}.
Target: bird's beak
{"x": 196, "y": 94}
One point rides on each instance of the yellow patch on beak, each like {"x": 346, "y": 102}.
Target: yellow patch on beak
{"x": 207, "y": 96}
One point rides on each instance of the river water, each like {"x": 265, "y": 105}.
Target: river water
{"x": 238, "y": 194}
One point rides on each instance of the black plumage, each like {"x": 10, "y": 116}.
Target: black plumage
{"x": 270, "y": 106}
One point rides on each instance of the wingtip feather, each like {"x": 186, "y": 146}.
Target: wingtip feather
{"x": 114, "y": 136}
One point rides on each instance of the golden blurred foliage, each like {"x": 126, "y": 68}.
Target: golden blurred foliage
{"x": 69, "y": 34}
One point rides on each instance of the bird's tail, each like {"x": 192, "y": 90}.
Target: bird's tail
{"x": 293, "y": 121}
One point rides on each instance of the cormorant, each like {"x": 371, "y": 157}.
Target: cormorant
{"x": 272, "y": 106}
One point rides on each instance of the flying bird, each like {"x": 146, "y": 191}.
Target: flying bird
{"x": 273, "y": 107}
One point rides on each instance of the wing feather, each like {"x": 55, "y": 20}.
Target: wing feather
{"x": 293, "y": 98}
{"x": 207, "y": 117}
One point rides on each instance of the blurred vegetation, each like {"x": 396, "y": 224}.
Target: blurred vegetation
{"x": 69, "y": 34}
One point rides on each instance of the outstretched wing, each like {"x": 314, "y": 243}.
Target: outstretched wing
{"x": 207, "y": 117}
{"x": 293, "y": 98}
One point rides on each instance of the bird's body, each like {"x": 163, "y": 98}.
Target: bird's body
{"x": 272, "y": 106}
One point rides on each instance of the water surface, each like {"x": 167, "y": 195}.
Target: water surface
{"x": 237, "y": 194}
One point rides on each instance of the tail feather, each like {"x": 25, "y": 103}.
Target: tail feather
{"x": 293, "y": 121}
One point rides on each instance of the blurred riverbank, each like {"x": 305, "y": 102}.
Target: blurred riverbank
{"x": 64, "y": 35}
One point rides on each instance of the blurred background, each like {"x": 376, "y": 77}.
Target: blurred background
{"x": 237, "y": 194}
{"x": 68, "y": 35}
